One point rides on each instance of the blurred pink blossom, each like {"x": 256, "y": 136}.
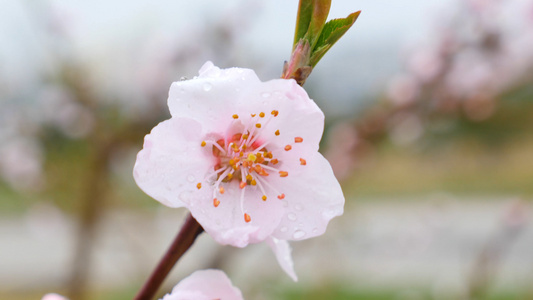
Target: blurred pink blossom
{"x": 204, "y": 285}
{"x": 242, "y": 156}
{"x": 53, "y": 296}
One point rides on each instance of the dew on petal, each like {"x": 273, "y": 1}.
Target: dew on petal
{"x": 265, "y": 95}
{"x": 298, "y": 234}
{"x": 185, "y": 196}
{"x": 283, "y": 229}
{"x": 191, "y": 178}
{"x": 298, "y": 207}
{"x": 315, "y": 230}
{"x": 291, "y": 217}
{"x": 207, "y": 87}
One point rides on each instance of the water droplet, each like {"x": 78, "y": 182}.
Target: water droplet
{"x": 185, "y": 196}
{"x": 207, "y": 87}
{"x": 298, "y": 207}
{"x": 285, "y": 203}
{"x": 298, "y": 234}
{"x": 328, "y": 214}
{"x": 315, "y": 230}
{"x": 291, "y": 217}
{"x": 190, "y": 178}
{"x": 183, "y": 78}
{"x": 283, "y": 229}
{"x": 265, "y": 95}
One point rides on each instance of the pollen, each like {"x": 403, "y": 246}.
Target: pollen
{"x": 247, "y": 218}
{"x": 203, "y": 144}
{"x": 262, "y": 114}
{"x": 199, "y": 185}
{"x": 283, "y": 173}
{"x": 252, "y": 157}
{"x": 298, "y": 139}
{"x": 216, "y": 202}
{"x": 264, "y": 198}
{"x": 303, "y": 162}
{"x": 277, "y": 132}
{"x": 235, "y": 116}
{"x": 288, "y": 147}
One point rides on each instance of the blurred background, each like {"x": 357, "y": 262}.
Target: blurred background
{"x": 429, "y": 118}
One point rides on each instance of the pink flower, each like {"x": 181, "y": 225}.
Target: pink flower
{"x": 205, "y": 285}
{"x": 242, "y": 156}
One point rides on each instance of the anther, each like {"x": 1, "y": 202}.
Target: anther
{"x": 275, "y": 113}
{"x": 253, "y": 182}
{"x": 253, "y": 115}
{"x": 262, "y": 114}
{"x": 264, "y": 198}
{"x": 216, "y": 202}
{"x": 242, "y": 184}
{"x": 221, "y": 190}
{"x": 277, "y": 132}
{"x": 281, "y": 197}
{"x": 247, "y": 218}
{"x": 274, "y": 161}
{"x": 283, "y": 174}
{"x": 230, "y": 176}
{"x": 203, "y": 144}
{"x": 298, "y": 139}
{"x": 199, "y": 185}
{"x": 249, "y": 177}
{"x": 288, "y": 147}
{"x": 258, "y": 125}
{"x": 303, "y": 162}
{"x": 235, "y": 116}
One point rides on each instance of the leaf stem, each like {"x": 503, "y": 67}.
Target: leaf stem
{"x": 183, "y": 241}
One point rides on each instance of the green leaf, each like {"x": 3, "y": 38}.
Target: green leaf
{"x": 331, "y": 33}
{"x": 312, "y": 15}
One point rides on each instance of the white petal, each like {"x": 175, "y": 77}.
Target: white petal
{"x": 172, "y": 162}
{"x": 313, "y": 197}
{"x": 282, "y": 250}
{"x": 205, "y": 285}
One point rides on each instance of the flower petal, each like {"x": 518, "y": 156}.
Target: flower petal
{"x": 53, "y": 296}
{"x": 313, "y": 197}
{"x": 282, "y": 250}
{"x": 172, "y": 161}
{"x": 205, "y": 285}
{"x": 226, "y": 223}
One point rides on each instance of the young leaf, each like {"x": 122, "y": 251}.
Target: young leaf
{"x": 331, "y": 33}
{"x": 312, "y": 15}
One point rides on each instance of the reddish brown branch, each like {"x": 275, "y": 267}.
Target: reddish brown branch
{"x": 183, "y": 241}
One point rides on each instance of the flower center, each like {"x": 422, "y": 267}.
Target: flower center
{"x": 244, "y": 159}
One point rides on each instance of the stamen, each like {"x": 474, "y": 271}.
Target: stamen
{"x": 277, "y": 132}
{"x": 203, "y": 144}
{"x": 261, "y": 114}
{"x": 303, "y": 162}
{"x": 264, "y": 198}
{"x": 199, "y": 185}
{"x": 242, "y": 184}
{"x": 298, "y": 139}
{"x": 247, "y": 218}
{"x": 216, "y": 202}
{"x": 288, "y": 147}
{"x": 258, "y": 125}
{"x": 235, "y": 116}
{"x": 275, "y": 113}
{"x": 283, "y": 174}
{"x": 221, "y": 190}
{"x": 274, "y": 161}
{"x": 281, "y": 197}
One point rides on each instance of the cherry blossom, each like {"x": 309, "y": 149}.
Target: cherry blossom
{"x": 242, "y": 156}
{"x": 205, "y": 285}
{"x": 53, "y": 296}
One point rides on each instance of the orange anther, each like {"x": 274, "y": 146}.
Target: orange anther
{"x": 264, "y": 198}
{"x": 221, "y": 190}
{"x": 261, "y": 114}
{"x": 288, "y": 147}
{"x": 283, "y": 174}
{"x": 268, "y": 155}
{"x": 274, "y": 161}
{"x": 281, "y": 197}
{"x": 298, "y": 139}
{"x": 230, "y": 176}
{"x": 216, "y": 202}
{"x": 242, "y": 184}
{"x": 253, "y": 115}
{"x": 249, "y": 177}
{"x": 303, "y": 162}
{"x": 275, "y": 113}
{"x": 247, "y": 218}
{"x": 199, "y": 185}
{"x": 253, "y": 182}
{"x": 258, "y": 125}
{"x": 203, "y": 144}
{"x": 257, "y": 169}
{"x": 277, "y": 132}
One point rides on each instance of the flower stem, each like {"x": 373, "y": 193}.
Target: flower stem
{"x": 183, "y": 241}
